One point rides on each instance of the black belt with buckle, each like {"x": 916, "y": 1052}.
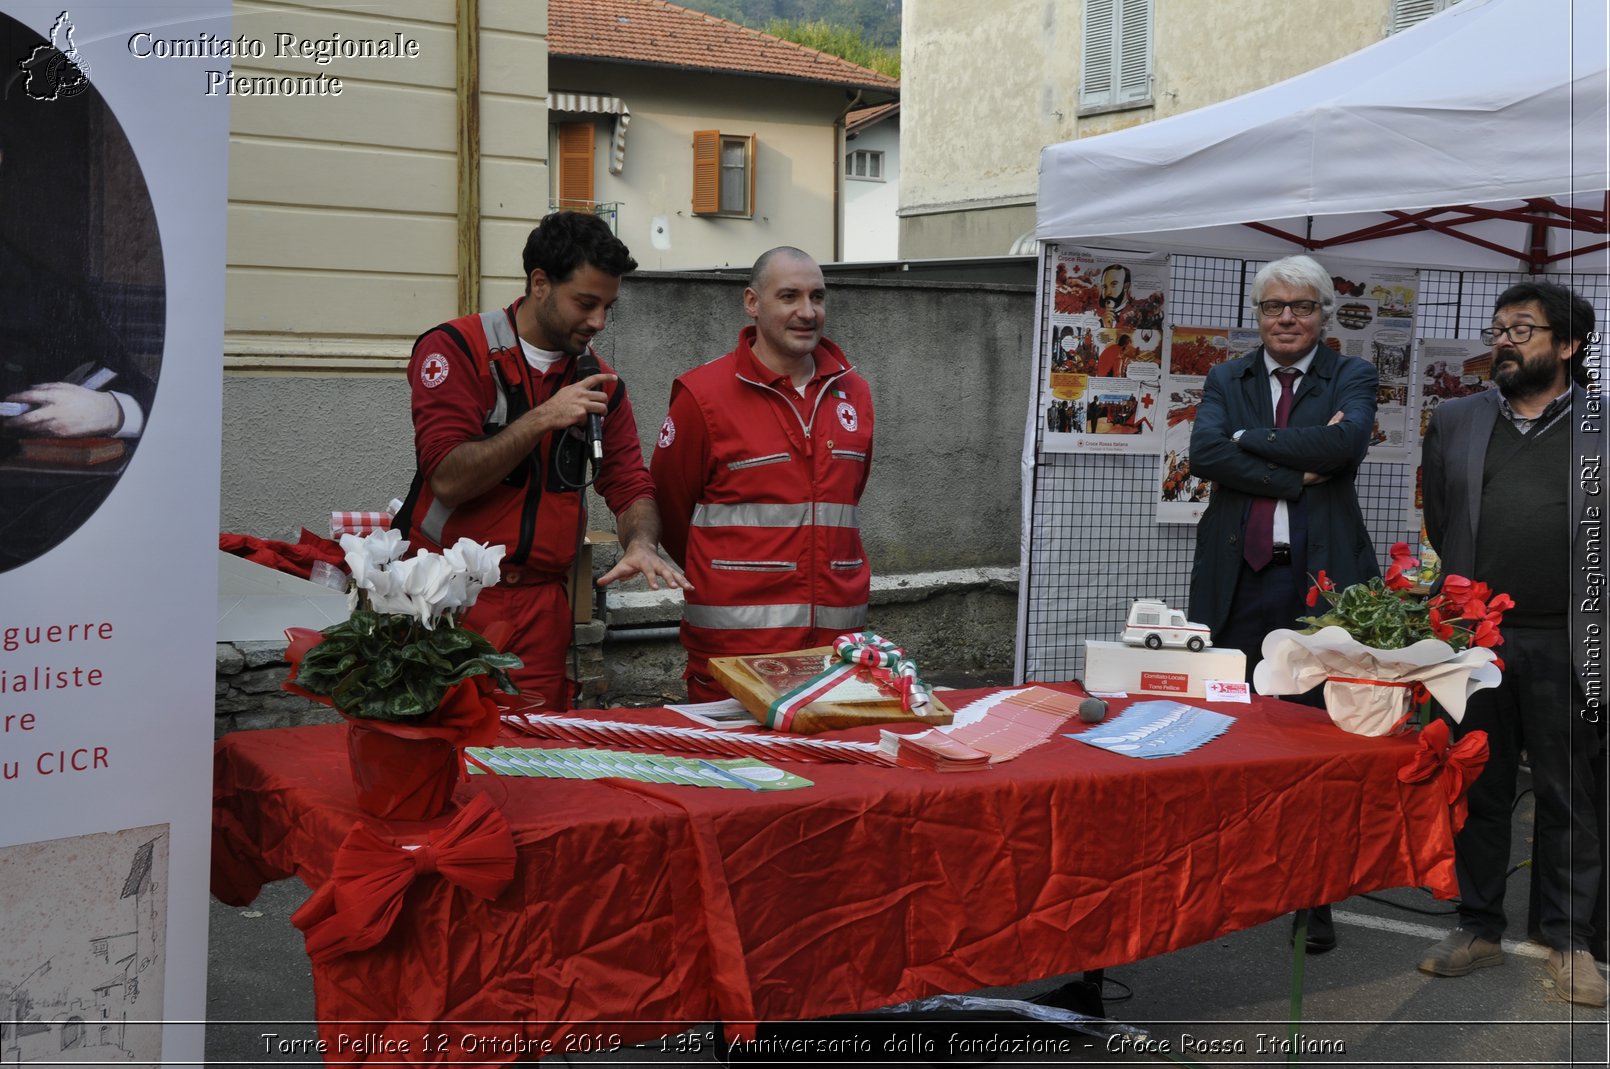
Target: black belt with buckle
{"x": 1280, "y": 553}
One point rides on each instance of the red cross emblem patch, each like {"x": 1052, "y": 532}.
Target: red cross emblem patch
{"x": 433, "y": 371}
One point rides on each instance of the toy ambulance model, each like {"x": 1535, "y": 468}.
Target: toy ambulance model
{"x": 1154, "y": 625}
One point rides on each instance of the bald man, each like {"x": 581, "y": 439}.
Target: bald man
{"x": 759, "y": 472}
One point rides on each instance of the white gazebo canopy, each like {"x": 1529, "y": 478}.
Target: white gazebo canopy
{"x": 1476, "y": 140}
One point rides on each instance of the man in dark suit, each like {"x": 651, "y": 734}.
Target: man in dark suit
{"x": 1514, "y": 498}
{"x": 1281, "y": 432}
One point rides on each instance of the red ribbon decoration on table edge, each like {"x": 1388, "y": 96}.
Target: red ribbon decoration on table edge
{"x": 1457, "y": 765}
{"x": 357, "y": 906}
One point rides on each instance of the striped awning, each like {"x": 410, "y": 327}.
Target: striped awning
{"x": 598, "y": 104}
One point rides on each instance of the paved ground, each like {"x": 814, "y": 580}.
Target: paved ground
{"x": 1221, "y": 1003}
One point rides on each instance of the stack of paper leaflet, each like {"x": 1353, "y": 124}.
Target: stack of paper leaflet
{"x": 806, "y": 691}
{"x": 745, "y": 773}
{"x": 934, "y": 751}
{"x": 1007, "y": 724}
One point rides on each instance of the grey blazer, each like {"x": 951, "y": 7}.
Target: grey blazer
{"x": 1454, "y": 454}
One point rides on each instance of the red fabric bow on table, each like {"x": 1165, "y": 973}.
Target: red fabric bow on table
{"x": 359, "y": 903}
{"x": 1458, "y": 765}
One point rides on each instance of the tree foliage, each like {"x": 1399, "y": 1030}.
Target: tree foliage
{"x": 843, "y": 41}
{"x": 875, "y": 22}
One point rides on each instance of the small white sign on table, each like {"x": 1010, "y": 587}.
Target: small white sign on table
{"x": 1111, "y": 666}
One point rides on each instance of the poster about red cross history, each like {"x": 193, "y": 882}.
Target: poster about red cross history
{"x": 1103, "y": 366}
{"x": 1374, "y": 320}
{"x": 111, "y": 259}
{"x": 1448, "y": 368}
{"x": 1193, "y": 351}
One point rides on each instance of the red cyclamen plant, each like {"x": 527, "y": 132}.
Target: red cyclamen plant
{"x": 1390, "y": 614}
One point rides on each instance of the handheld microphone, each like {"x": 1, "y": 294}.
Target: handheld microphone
{"x": 586, "y": 366}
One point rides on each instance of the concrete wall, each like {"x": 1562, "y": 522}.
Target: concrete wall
{"x": 793, "y": 127}
{"x": 949, "y": 365}
{"x": 985, "y": 84}
{"x": 932, "y": 235}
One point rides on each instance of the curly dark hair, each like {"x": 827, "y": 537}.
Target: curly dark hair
{"x": 1569, "y": 317}
{"x": 563, "y": 241}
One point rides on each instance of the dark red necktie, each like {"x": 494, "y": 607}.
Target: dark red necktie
{"x": 1260, "y": 541}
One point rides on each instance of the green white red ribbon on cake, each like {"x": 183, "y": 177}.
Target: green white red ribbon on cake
{"x": 888, "y": 662}
{"x": 883, "y": 656}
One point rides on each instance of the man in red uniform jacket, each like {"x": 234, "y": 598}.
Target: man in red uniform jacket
{"x": 759, "y": 472}
{"x": 497, "y": 404}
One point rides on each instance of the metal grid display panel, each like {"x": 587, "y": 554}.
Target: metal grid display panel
{"x": 1094, "y": 545}
{"x": 1094, "y": 548}
{"x": 1457, "y": 304}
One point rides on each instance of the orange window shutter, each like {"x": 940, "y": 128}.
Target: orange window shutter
{"x": 576, "y": 166}
{"x": 752, "y": 169}
{"x": 706, "y": 172}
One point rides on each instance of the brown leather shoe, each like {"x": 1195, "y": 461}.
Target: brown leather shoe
{"x": 1576, "y": 977}
{"x": 1461, "y": 951}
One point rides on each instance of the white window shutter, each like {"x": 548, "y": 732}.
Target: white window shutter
{"x": 1135, "y": 51}
{"x": 1096, "y": 64}
{"x": 1406, "y": 13}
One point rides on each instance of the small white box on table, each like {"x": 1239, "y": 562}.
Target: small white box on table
{"x": 1116, "y": 666}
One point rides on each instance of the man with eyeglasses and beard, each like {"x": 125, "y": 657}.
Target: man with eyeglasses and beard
{"x": 1506, "y": 504}
{"x": 1281, "y": 432}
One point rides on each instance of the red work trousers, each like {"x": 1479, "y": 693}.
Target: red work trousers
{"x": 540, "y": 615}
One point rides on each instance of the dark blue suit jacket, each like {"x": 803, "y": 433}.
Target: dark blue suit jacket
{"x": 1270, "y": 462}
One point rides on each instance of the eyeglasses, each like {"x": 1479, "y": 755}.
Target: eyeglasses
{"x": 1300, "y": 309}
{"x": 1519, "y": 333}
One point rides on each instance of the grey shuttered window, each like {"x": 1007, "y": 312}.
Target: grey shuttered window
{"x": 1116, "y": 63}
{"x": 1406, "y": 13}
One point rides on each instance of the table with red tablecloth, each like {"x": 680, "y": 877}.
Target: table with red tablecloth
{"x": 638, "y": 902}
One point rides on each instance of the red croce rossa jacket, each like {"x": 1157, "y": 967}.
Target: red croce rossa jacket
{"x": 760, "y": 498}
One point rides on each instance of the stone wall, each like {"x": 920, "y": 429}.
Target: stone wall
{"x": 249, "y": 694}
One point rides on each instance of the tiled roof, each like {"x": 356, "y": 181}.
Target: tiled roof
{"x": 861, "y": 118}
{"x": 652, "y": 31}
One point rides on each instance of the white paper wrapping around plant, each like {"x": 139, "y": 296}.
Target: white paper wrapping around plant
{"x": 1294, "y": 662}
